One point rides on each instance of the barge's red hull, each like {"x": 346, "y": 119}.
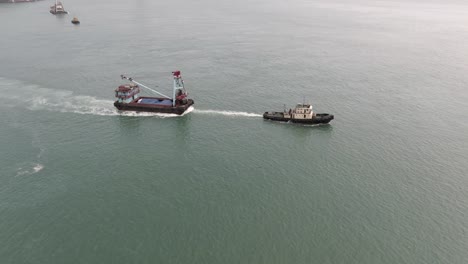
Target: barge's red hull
{"x": 179, "y": 109}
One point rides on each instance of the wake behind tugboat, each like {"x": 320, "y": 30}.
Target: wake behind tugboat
{"x": 128, "y": 98}
{"x": 302, "y": 114}
{"x": 226, "y": 113}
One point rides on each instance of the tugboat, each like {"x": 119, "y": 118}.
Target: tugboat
{"x": 57, "y": 8}
{"x": 302, "y": 114}
{"x": 75, "y": 21}
{"x": 128, "y": 98}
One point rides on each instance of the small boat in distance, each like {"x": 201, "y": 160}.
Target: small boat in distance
{"x": 75, "y": 21}
{"x": 302, "y": 114}
{"x": 57, "y": 8}
{"x": 128, "y": 98}
{"x": 16, "y": 1}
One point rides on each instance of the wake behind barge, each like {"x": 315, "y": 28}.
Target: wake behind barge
{"x": 128, "y": 98}
{"x": 302, "y": 114}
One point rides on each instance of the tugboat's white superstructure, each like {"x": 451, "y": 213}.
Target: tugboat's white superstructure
{"x": 302, "y": 113}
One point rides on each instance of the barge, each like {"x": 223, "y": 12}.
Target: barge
{"x": 302, "y": 114}
{"x": 128, "y": 98}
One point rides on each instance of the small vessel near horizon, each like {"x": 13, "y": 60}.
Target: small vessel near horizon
{"x": 57, "y": 8}
{"x": 75, "y": 21}
{"x": 128, "y": 98}
{"x": 302, "y": 114}
{"x": 17, "y": 1}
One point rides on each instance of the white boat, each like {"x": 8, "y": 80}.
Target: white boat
{"x": 75, "y": 21}
{"x": 57, "y": 8}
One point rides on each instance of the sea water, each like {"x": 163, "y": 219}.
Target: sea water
{"x": 385, "y": 182}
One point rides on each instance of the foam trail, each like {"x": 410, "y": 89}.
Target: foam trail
{"x": 189, "y": 110}
{"x": 36, "y": 167}
{"x": 36, "y": 98}
{"x": 87, "y": 105}
{"x": 226, "y": 113}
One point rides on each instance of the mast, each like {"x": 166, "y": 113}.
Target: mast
{"x": 178, "y": 85}
{"x": 144, "y": 86}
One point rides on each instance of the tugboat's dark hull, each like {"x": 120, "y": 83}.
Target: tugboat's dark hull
{"x": 138, "y": 107}
{"x": 317, "y": 119}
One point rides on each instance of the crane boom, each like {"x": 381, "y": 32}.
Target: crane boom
{"x": 144, "y": 86}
